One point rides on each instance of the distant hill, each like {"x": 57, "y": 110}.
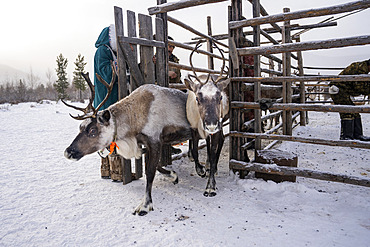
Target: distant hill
{"x": 9, "y": 74}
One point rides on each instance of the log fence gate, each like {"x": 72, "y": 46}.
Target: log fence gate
{"x": 282, "y": 78}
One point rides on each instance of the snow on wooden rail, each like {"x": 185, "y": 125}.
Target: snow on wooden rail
{"x": 297, "y": 171}
{"x": 167, "y": 7}
{"x": 337, "y": 9}
{"x": 305, "y": 46}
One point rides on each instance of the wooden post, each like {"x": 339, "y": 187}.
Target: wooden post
{"x": 302, "y": 92}
{"x": 257, "y": 72}
{"x": 287, "y": 86}
{"x": 271, "y": 67}
{"x": 236, "y": 117}
{"x": 280, "y": 158}
{"x": 209, "y": 44}
{"x": 146, "y": 52}
{"x": 131, "y": 32}
{"x": 123, "y": 173}
{"x": 121, "y": 62}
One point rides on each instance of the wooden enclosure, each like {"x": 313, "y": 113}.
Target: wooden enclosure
{"x": 289, "y": 79}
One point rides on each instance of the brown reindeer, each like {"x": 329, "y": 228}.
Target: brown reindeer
{"x": 151, "y": 116}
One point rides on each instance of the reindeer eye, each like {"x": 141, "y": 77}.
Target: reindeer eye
{"x": 92, "y": 132}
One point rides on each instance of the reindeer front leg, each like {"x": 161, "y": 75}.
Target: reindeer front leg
{"x": 211, "y": 155}
{"x": 193, "y": 146}
{"x": 150, "y": 168}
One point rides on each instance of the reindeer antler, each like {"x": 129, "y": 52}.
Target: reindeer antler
{"x": 191, "y": 63}
{"x": 223, "y": 63}
{"x": 90, "y": 108}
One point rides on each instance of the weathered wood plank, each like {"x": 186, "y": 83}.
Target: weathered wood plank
{"x": 305, "y": 46}
{"x": 146, "y": 52}
{"x": 121, "y": 61}
{"x": 160, "y": 54}
{"x": 145, "y": 42}
{"x": 337, "y": 9}
{"x": 301, "y": 172}
{"x": 167, "y": 7}
{"x": 131, "y": 32}
{"x": 128, "y": 52}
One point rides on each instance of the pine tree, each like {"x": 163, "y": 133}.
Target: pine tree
{"x": 61, "y": 84}
{"x": 78, "y": 80}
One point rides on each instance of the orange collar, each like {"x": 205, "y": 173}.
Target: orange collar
{"x": 112, "y": 146}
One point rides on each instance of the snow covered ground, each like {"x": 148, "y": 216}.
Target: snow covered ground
{"x": 47, "y": 200}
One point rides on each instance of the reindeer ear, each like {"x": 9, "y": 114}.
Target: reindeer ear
{"x": 192, "y": 86}
{"x": 104, "y": 117}
{"x": 223, "y": 84}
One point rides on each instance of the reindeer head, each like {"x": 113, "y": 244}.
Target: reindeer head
{"x": 97, "y": 130}
{"x": 95, "y": 134}
{"x": 211, "y": 100}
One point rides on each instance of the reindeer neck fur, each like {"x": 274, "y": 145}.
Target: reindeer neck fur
{"x": 193, "y": 115}
{"x": 130, "y": 116}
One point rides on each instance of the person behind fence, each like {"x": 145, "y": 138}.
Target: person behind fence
{"x": 105, "y": 54}
{"x": 173, "y": 73}
{"x": 341, "y": 93}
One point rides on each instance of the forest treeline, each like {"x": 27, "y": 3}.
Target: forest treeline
{"x": 32, "y": 89}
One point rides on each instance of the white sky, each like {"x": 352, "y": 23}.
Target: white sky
{"x": 35, "y": 32}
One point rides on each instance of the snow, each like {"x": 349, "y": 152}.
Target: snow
{"x": 47, "y": 200}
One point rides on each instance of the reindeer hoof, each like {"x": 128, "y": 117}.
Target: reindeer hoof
{"x": 173, "y": 177}
{"x": 209, "y": 193}
{"x": 201, "y": 171}
{"x": 142, "y": 210}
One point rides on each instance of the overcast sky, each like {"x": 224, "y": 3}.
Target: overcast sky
{"x": 35, "y": 32}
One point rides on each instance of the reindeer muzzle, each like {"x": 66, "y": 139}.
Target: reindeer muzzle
{"x": 72, "y": 154}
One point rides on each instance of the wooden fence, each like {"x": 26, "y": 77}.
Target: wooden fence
{"x": 282, "y": 77}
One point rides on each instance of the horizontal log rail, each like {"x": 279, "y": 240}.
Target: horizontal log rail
{"x": 322, "y": 68}
{"x": 337, "y": 9}
{"x": 300, "y": 172}
{"x": 303, "y": 107}
{"x": 303, "y": 78}
{"x": 186, "y": 67}
{"x": 305, "y": 46}
{"x": 141, "y": 41}
{"x": 167, "y": 7}
{"x": 340, "y": 143}
{"x": 331, "y": 102}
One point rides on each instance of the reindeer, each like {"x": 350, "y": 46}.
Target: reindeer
{"x": 151, "y": 116}
{"x": 206, "y": 107}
